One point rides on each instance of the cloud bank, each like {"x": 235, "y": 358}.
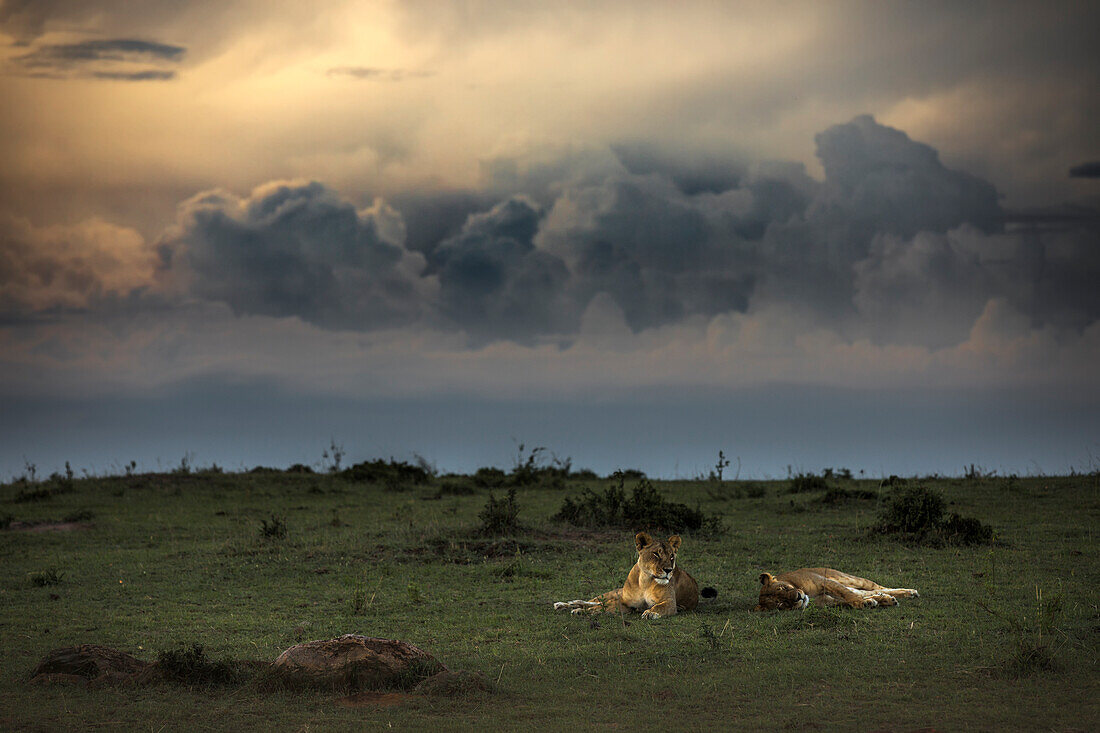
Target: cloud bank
{"x": 893, "y": 270}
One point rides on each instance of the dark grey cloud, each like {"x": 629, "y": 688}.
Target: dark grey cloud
{"x": 1086, "y": 170}
{"x": 891, "y": 246}
{"x": 368, "y": 73}
{"x": 297, "y": 249}
{"x": 119, "y": 59}
{"x": 494, "y": 282}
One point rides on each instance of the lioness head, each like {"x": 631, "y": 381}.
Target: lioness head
{"x": 779, "y": 594}
{"x": 657, "y": 558}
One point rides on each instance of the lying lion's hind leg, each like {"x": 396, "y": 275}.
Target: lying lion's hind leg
{"x": 900, "y": 592}
{"x": 609, "y": 602}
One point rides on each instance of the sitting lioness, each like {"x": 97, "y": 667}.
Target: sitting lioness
{"x": 830, "y": 587}
{"x": 655, "y": 585}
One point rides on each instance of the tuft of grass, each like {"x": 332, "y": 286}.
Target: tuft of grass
{"x": 49, "y": 576}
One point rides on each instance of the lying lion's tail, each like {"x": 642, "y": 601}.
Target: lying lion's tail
{"x": 708, "y": 594}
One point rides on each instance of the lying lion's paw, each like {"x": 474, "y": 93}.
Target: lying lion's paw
{"x": 887, "y": 601}
{"x": 650, "y": 613}
{"x": 870, "y": 603}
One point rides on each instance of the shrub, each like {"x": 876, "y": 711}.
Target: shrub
{"x": 836, "y": 495}
{"x": 646, "y": 508}
{"x": 803, "y": 482}
{"x": 276, "y": 529}
{"x": 455, "y": 488}
{"x": 966, "y": 530}
{"x": 489, "y": 478}
{"x": 500, "y": 517}
{"x": 391, "y": 474}
{"x": 918, "y": 513}
{"x": 912, "y": 510}
{"x": 190, "y": 666}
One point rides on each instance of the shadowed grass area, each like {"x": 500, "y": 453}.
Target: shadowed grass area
{"x": 1005, "y": 634}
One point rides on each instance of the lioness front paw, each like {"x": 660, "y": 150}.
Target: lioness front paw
{"x": 870, "y": 603}
{"x": 650, "y": 613}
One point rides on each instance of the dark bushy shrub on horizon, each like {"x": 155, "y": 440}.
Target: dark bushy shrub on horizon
{"x": 645, "y": 509}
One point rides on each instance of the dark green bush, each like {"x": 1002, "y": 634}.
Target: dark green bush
{"x": 918, "y": 513}
{"x": 803, "y": 482}
{"x": 488, "y": 477}
{"x": 190, "y": 666}
{"x": 646, "y": 508}
{"x": 912, "y": 509}
{"x": 391, "y": 474}
{"x": 837, "y": 495}
{"x": 275, "y": 529}
{"x": 966, "y": 530}
{"x": 500, "y": 517}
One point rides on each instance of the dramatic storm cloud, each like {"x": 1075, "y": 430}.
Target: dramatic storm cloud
{"x": 296, "y": 249}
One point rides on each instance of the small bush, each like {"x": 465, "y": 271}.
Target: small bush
{"x": 299, "y": 468}
{"x": 646, "y": 508}
{"x": 455, "y": 488}
{"x": 804, "y": 482}
{"x": 966, "y": 530}
{"x": 190, "y": 666}
{"x": 585, "y": 474}
{"x": 918, "y": 513}
{"x": 394, "y": 475}
{"x": 275, "y": 529}
{"x": 836, "y": 495}
{"x": 500, "y": 517}
{"x": 50, "y": 576}
{"x": 913, "y": 510}
{"x": 488, "y": 477}
{"x": 756, "y": 491}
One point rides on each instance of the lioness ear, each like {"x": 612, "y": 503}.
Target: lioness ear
{"x": 641, "y": 540}
{"x": 674, "y": 542}
{"x": 766, "y": 578}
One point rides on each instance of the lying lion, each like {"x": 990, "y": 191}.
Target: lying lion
{"x": 655, "y": 585}
{"x": 830, "y": 587}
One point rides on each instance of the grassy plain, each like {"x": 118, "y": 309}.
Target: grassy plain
{"x": 175, "y": 559}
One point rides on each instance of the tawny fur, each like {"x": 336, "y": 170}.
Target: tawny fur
{"x": 644, "y": 590}
{"x": 827, "y": 586}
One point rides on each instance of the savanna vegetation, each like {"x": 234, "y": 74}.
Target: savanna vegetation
{"x": 206, "y": 570}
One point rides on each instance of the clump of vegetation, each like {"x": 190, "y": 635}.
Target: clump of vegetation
{"x": 394, "y": 475}
{"x": 630, "y": 474}
{"x": 918, "y": 513}
{"x": 190, "y": 666}
{"x": 536, "y": 469}
{"x": 803, "y": 482}
{"x": 83, "y": 515}
{"x": 49, "y": 576}
{"x": 455, "y": 488}
{"x": 837, "y": 495}
{"x": 6, "y": 520}
{"x": 646, "y": 508}
{"x": 500, "y": 517}
{"x": 299, "y": 468}
{"x": 488, "y": 477}
{"x": 892, "y": 481}
{"x": 274, "y": 530}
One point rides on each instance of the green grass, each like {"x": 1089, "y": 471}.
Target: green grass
{"x": 177, "y": 560}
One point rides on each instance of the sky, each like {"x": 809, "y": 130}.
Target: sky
{"x": 844, "y": 234}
